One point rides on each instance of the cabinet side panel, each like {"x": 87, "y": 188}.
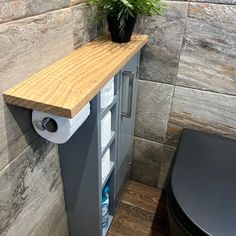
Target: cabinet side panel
{"x": 81, "y": 177}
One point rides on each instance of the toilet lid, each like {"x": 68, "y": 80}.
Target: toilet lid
{"x": 203, "y": 181}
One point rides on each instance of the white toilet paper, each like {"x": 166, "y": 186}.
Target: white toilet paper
{"x": 65, "y": 127}
{"x": 106, "y": 164}
{"x": 107, "y": 94}
{"x": 106, "y": 129}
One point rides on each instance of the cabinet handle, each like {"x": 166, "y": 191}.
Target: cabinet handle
{"x": 130, "y": 76}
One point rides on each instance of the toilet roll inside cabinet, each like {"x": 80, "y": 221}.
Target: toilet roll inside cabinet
{"x": 99, "y": 154}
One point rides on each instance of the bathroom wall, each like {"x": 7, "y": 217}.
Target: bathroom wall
{"x": 33, "y": 35}
{"x": 187, "y": 80}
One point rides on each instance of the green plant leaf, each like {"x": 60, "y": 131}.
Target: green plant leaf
{"x": 122, "y": 9}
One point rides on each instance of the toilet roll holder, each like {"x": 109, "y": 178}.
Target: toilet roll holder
{"x": 48, "y": 124}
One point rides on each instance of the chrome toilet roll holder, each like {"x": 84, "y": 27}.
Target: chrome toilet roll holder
{"x": 48, "y": 124}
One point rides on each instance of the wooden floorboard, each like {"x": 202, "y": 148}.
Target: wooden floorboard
{"x": 142, "y": 212}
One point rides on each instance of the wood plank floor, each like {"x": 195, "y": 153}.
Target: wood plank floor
{"x": 142, "y": 212}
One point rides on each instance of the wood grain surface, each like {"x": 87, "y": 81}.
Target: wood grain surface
{"x": 67, "y": 85}
{"x": 142, "y": 212}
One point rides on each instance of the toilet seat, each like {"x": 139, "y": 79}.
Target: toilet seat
{"x": 202, "y": 187}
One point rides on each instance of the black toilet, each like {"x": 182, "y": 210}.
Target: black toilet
{"x": 201, "y": 192}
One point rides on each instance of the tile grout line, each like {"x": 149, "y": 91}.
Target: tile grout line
{"x": 203, "y": 2}
{"x": 154, "y": 141}
{"x": 49, "y": 210}
{"x": 84, "y": 3}
{"x": 181, "y": 49}
{"x": 42, "y": 13}
{"x": 187, "y": 87}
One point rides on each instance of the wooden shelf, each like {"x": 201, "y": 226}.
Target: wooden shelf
{"x": 67, "y": 85}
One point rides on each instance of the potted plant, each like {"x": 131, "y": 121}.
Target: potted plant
{"x": 122, "y": 14}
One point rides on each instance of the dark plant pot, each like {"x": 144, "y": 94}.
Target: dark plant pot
{"x": 113, "y": 26}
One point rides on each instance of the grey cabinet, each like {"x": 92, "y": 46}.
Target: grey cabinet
{"x": 81, "y": 157}
{"x": 127, "y": 108}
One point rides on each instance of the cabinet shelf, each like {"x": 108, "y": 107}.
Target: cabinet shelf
{"x": 113, "y": 135}
{"x": 104, "y": 180}
{"x": 108, "y": 108}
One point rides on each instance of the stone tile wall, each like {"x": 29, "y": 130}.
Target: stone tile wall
{"x": 187, "y": 80}
{"x": 33, "y": 35}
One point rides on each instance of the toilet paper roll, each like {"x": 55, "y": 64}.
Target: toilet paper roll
{"x": 107, "y": 94}
{"x": 65, "y": 127}
{"x": 106, "y": 164}
{"x": 106, "y": 129}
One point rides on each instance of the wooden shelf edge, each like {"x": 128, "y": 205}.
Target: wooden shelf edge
{"x": 43, "y": 107}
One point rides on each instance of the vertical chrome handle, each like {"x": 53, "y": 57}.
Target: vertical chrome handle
{"x": 130, "y": 76}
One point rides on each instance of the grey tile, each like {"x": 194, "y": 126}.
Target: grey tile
{"x": 202, "y": 110}
{"x": 146, "y": 172}
{"x": 27, "y": 46}
{"x": 12, "y": 10}
{"x": 75, "y": 2}
{"x": 153, "y": 108}
{"x": 29, "y": 186}
{"x": 208, "y": 58}
{"x": 233, "y": 2}
{"x": 81, "y": 16}
{"x": 85, "y": 25}
{"x": 226, "y": 2}
{"x": 168, "y": 153}
{"x": 160, "y": 57}
{"x": 151, "y": 162}
{"x": 16, "y": 132}
{"x": 147, "y": 162}
{"x": 3, "y": 138}
{"x": 54, "y": 222}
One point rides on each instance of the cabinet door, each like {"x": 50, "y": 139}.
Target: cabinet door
{"x": 128, "y": 97}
